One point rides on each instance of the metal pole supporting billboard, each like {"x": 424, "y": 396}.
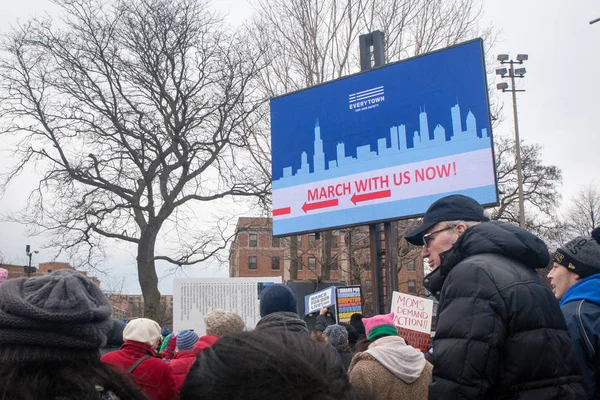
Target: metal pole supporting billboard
{"x": 369, "y": 59}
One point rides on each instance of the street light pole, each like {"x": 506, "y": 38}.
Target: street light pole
{"x": 512, "y": 74}
{"x": 518, "y": 149}
{"x": 29, "y": 254}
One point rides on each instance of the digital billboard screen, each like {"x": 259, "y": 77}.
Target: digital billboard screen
{"x": 383, "y": 144}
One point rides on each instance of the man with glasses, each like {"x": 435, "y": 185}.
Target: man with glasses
{"x": 500, "y": 333}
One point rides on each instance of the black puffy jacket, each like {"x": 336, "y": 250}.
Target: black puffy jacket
{"x": 500, "y": 331}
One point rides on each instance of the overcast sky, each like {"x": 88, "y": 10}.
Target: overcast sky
{"x": 558, "y": 110}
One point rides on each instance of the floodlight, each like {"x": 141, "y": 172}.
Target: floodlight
{"x": 502, "y": 86}
{"x": 520, "y": 71}
{"x": 522, "y": 57}
{"x": 501, "y": 71}
{"x": 502, "y": 57}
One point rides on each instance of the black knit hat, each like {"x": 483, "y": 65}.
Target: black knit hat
{"x": 60, "y": 316}
{"x": 580, "y": 255}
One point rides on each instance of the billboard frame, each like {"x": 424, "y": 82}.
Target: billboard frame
{"x": 419, "y": 215}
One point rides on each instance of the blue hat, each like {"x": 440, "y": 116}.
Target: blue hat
{"x": 186, "y": 340}
{"x": 455, "y": 207}
{"x": 276, "y": 298}
{"x": 165, "y": 332}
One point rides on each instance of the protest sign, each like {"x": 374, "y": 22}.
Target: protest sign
{"x": 348, "y": 301}
{"x": 413, "y": 316}
{"x": 315, "y": 301}
{"x": 194, "y": 298}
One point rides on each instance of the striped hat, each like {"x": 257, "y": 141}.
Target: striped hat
{"x": 186, "y": 340}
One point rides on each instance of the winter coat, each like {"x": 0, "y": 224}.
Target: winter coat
{"x": 346, "y": 355}
{"x": 180, "y": 366}
{"x": 390, "y": 369}
{"x": 204, "y": 343}
{"x": 152, "y": 375}
{"x": 321, "y": 323}
{"x": 288, "y": 321}
{"x": 168, "y": 352}
{"x": 499, "y": 333}
{"x": 581, "y": 308}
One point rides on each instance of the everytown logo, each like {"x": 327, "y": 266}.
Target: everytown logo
{"x": 366, "y": 99}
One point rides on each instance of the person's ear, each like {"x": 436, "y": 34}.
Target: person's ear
{"x": 460, "y": 229}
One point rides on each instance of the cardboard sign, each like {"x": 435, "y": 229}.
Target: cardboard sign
{"x": 349, "y": 301}
{"x": 316, "y": 301}
{"x": 412, "y": 312}
{"x": 413, "y": 316}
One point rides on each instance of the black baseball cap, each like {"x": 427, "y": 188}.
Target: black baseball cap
{"x": 450, "y": 208}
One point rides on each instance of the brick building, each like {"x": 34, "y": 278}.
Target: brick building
{"x": 255, "y": 252}
{"x": 23, "y": 271}
{"x": 127, "y": 306}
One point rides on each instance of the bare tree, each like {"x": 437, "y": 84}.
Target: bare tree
{"x": 583, "y": 214}
{"x": 136, "y": 110}
{"x": 540, "y": 187}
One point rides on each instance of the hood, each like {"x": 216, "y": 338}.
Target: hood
{"x": 204, "y": 343}
{"x": 288, "y": 321}
{"x": 586, "y": 289}
{"x": 490, "y": 238}
{"x": 405, "y": 362}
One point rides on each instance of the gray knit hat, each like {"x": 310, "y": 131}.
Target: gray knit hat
{"x": 337, "y": 334}
{"x": 580, "y": 255}
{"x": 219, "y": 323}
{"x": 62, "y": 315}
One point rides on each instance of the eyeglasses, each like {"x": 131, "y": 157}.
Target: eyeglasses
{"x": 429, "y": 237}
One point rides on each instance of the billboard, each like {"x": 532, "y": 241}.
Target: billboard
{"x": 383, "y": 144}
{"x": 193, "y": 298}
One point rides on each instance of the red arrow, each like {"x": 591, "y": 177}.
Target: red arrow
{"x": 370, "y": 196}
{"x": 319, "y": 204}
{"x": 282, "y": 211}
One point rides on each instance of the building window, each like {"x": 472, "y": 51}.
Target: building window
{"x": 299, "y": 239}
{"x": 275, "y": 263}
{"x": 312, "y": 239}
{"x": 412, "y": 287}
{"x": 274, "y": 242}
{"x": 368, "y": 285}
{"x": 252, "y": 240}
{"x": 334, "y": 242}
{"x": 312, "y": 263}
{"x": 334, "y": 265}
{"x": 299, "y": 261}
{"x": 252, "y": 262}
{"x": 410, "y": 266}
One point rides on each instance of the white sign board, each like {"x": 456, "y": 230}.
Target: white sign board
{"x": 315, "y": 301}
{"x": 412, "y": 312}
{"x": 194, "y": 298}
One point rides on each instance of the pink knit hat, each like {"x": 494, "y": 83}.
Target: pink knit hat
{"x": 378, "y": 325}
{"x": 3, "y": 275}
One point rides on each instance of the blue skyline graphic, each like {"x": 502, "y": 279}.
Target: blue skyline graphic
{"x": 421, "y": 141}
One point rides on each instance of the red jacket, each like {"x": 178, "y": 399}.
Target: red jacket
{"x": 169, "y": 352}
{"x": 152, "y": 375}
{"x": 180, "y": 366}
{"x": 204, "y": 343}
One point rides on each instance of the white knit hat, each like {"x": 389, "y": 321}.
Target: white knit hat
{"x": 142, "y": 330}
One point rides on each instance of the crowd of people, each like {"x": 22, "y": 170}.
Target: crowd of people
{"x": 502, "y": 332}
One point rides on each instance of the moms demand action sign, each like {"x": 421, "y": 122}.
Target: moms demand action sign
{"x": 383, "y": 144}
{"x": 412, "y": 312}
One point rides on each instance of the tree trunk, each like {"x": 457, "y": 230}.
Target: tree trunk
{"x": 293, "y": 257}
{"x": 147, "y": 272}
